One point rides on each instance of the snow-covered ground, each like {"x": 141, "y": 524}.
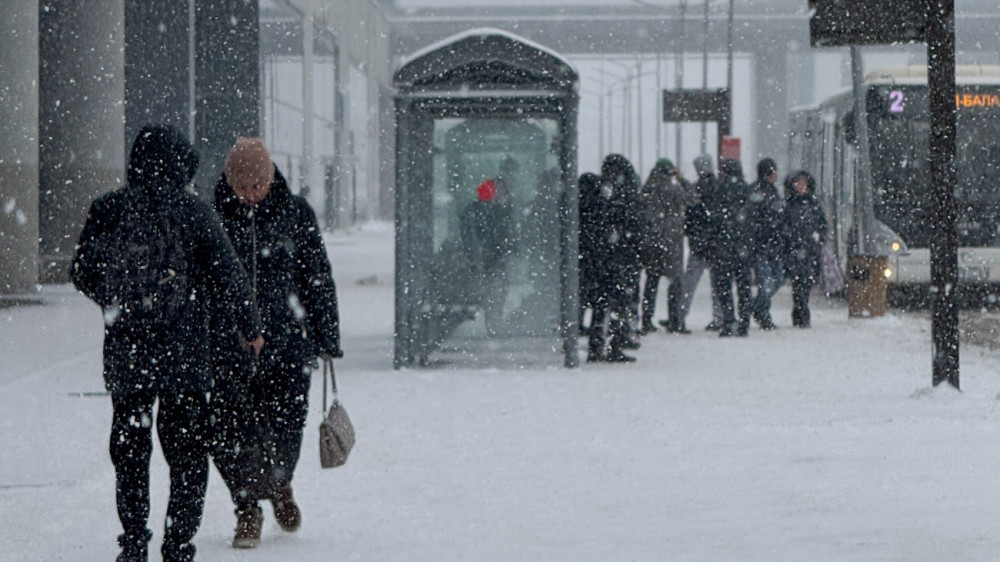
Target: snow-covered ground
{"x": 822, "y": 445}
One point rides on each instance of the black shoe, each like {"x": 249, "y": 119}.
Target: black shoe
{"x": 713, "y": 327}
{"x": 742, "y": 332}
{"x": 768, "y": 325}
{"x": 647, "y": 327}
{"x": 664, "y": 323}
{"x": 594, "y": 357}
{"x": 619, "y": 357}
{"x": 678, "y": 328}
{"x": 631, "y": 344}
{"x": 725, "y": 333}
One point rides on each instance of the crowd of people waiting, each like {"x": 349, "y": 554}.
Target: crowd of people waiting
{"x": 751, "y": 236}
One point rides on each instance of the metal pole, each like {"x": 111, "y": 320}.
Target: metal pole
{"x": 862, "y": 199}
{"x": 659, "y": 107}
{"x": 704, "y": 77}
{"x": 679, "y": 76}
{"x": 729, "y": 53}
{"x": 600, "y": 123}
{"x": 638, "y": 112}
{"x": 308, "y": 135}
{"x": 944, "y": 243}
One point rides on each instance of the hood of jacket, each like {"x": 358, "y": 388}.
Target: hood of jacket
{"x": 162, "y": 161}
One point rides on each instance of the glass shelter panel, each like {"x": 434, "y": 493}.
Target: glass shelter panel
{"x": 495, "y": 203}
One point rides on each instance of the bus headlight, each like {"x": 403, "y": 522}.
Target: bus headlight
{"x": 895, "y": 248}
{"x": 887, "y": 273}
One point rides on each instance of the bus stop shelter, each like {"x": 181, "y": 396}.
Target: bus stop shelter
{"x": 486, "y": 204}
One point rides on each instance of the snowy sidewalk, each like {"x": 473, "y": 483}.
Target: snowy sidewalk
{"x": 793, "y": 445}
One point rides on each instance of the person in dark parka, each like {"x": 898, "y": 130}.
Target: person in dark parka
{"x": 166, "y": 359}
{"x": 764, "y": 215}
{"x": 591, "y": 257}
{"x": 278, "y": 240}
{"x": 729, "y": 252}
{"x": 804, "y": 230}
{"x": 695, "y": 227}
{"x": 665, "y": 196}
{"x": 486, "y": 227}
{"x": 618, "y": 235}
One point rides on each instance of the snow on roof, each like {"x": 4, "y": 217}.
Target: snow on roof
{"x": 485, "y": 32}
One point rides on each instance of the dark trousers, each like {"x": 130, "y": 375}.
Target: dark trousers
{"x": 617, "y": 331}
{"x": 722, "y": 286}
{"x": 181, "y": 423}
{"x": 260, "y": 420}
{"x": 801, "y": 288}
{"x": 769, "y": 273}
{"x": 674, "y": 294}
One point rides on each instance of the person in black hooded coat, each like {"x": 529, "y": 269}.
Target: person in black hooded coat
{"x": 804, "y": 230}
{"x": 764, "y": 218}
{"x": 617, "y": 236}
{"x": 149, "y": 358}
{"x": 728, "y": 247}
{"x": 277, "y": 238}
{"x": 591, "y": 213}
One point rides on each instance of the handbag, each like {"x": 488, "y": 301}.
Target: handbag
{"x": 336, "y": 433}
{"x": 832, "y": 277}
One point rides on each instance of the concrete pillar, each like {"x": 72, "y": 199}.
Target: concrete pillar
{"x": 80, "y": 120}
{"x": 771, "y": 97}
{"x": 158, "y": 61}
{"x": 19, "y": 147}
{"x": 227, "y": 81}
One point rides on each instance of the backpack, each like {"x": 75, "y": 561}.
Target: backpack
{"x": 147, "y": 273}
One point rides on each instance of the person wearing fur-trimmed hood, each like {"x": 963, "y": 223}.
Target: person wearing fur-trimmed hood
{"x": 804, "y": 229}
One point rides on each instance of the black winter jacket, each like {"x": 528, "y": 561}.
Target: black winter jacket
{"x": 764, "y": 214}
{"x": 279, "y": 243}
{"x": 696, "y": 221}
{"x": 174, "y": 355}
{"x": 727, "y": 240}
{"x": 804, "y": 230}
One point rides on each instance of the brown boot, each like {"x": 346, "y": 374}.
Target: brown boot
{"x": 285, "y": 510}
{"x": 248, "y": 525}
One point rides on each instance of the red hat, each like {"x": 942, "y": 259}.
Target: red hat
{"x": 486, "y": 190}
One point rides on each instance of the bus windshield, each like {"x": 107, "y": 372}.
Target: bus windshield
{"x": 899, "y": 134}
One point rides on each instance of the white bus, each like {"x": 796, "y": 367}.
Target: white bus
{"x": 893, "y": 218}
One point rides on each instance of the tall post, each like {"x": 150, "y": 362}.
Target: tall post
{"x": 862, "y": 200}
{"x": 704, "y": 77}
{"x": 19, "y": 110}
{"x": 729, "y": 53}
{"x": 659, "y": 106}
{"x": 307, "y": 179}
{"x": 944, "y": 243}
{"x": 679, "y": 76}
{"x": 227, "y": 80}
{"x": 638, "y": 113}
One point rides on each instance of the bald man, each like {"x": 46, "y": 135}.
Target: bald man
{"x": 261, "y": 406}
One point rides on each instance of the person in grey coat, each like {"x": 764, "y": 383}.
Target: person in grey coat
{"x": 665, "y": 196}
{"x": 696, "y": 228}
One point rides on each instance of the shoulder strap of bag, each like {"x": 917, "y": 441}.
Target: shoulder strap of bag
{"x": 328, "y": 370}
